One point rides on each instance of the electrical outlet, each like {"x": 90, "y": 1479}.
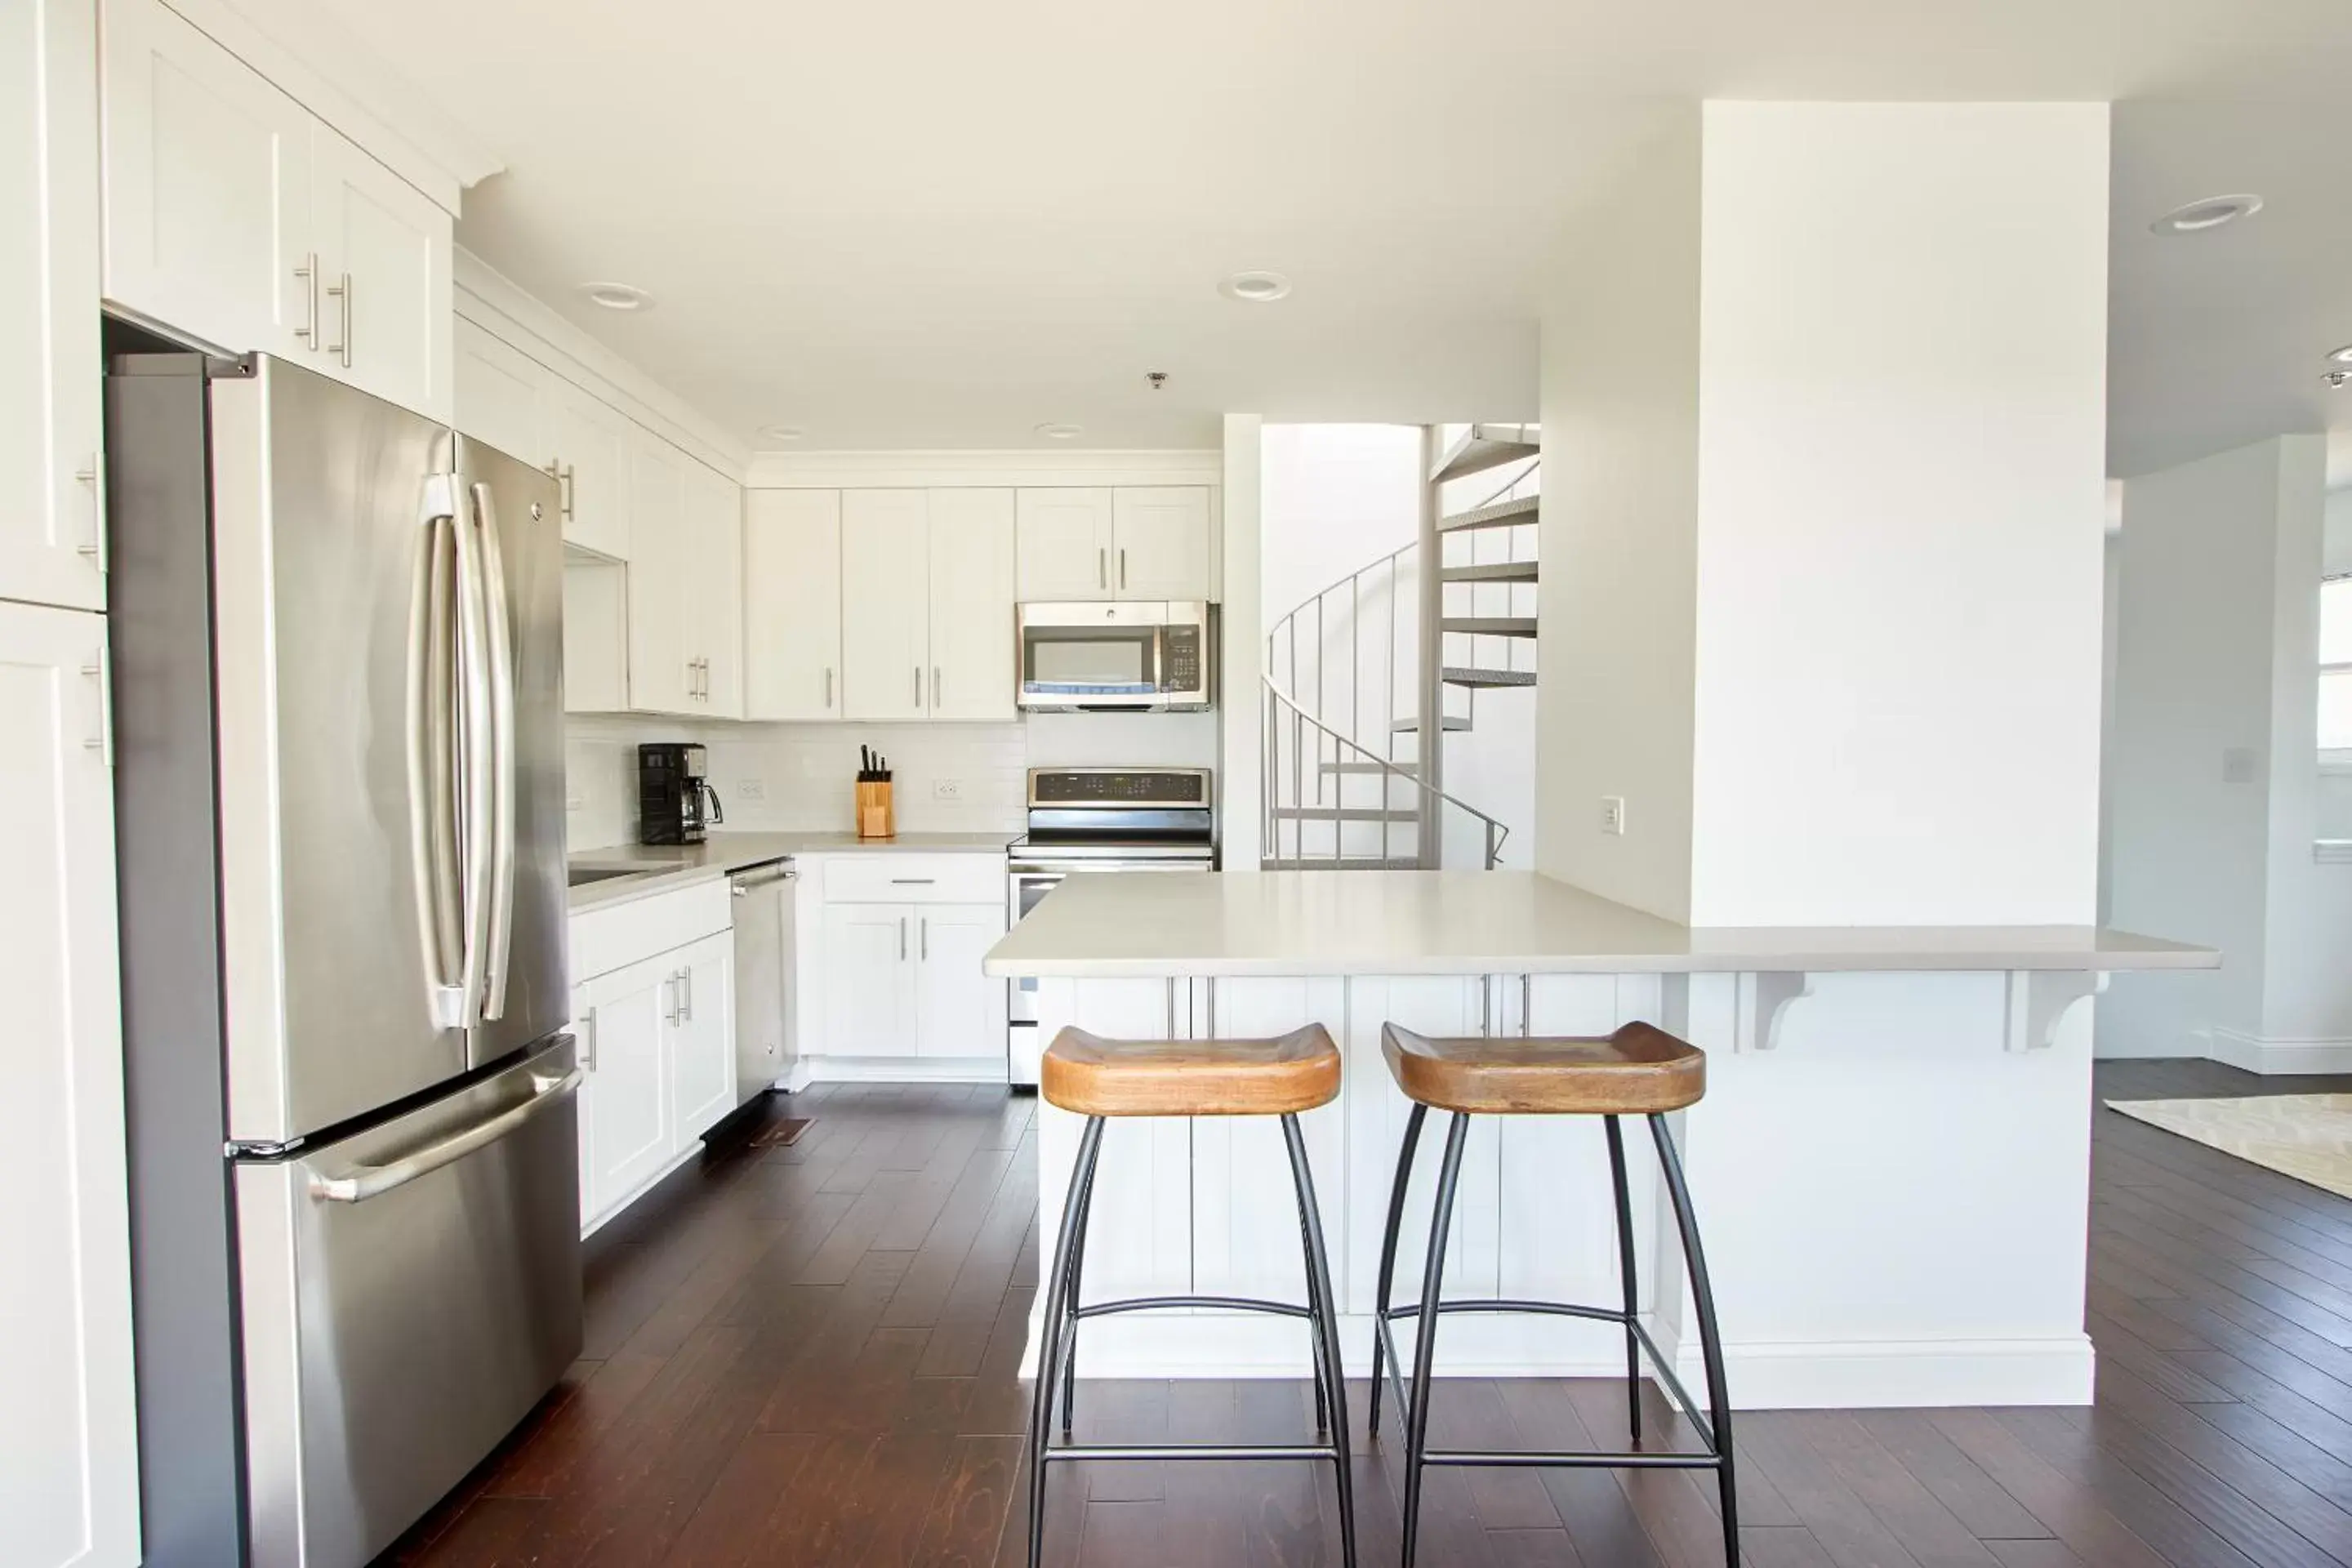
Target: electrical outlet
{"x": 1612, "y": 815}
{"x": 947, "y": 789}
{"x": 752, "y": 789}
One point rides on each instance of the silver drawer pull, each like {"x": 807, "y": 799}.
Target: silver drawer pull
{"x": 912, "y": 881}
{"x": 367, "y": 1181}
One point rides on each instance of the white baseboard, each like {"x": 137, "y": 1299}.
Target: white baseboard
{"x": 1889, "y": 1375}
{"x": 796, "y": 1077}
{"x": 901, "y": 1069}
{"x": 2256, "y": 1053}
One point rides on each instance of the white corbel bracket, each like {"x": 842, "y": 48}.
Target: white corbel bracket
{"x": 1761, "y": 999}
{"x": 2039, "y": 1001}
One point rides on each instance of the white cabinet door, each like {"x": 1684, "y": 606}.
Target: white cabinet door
{"x": 501, "y": 394}
{"x": 208, "y": 180}
{"x": 701, "y": 1037}
{"x": 868, "y": 953}
{"x": 70, "y": 1491}
{"x": 885, "y": 603}
{"x": 383, "y": 260}
{"x": 959, "y": 1011}
{"x": 663, "y": 674}
{"x": 592, "y": 444}
{"x": 52, "y": 528}
{"x": 1066, "y": 540}
{"x": 792, "y": 605}
{"x": 1159, "y": 543}
{"x": 714, "y": 526}
{"x": 624, "y": 1122}
{"x": 973, "y": 674}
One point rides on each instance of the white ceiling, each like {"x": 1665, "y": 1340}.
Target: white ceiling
{"x": 940, "y": 224}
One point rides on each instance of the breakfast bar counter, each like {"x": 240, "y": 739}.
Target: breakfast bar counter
{"x": 1892, "y": 1160}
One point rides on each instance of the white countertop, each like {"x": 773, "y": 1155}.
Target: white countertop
{"x": 1486, "y": 923}
{"x": 668, "y": 867}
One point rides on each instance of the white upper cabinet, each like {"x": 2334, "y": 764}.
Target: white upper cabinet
{"x": 70, "y": 1494}
{"x": 972, "y": 613}
{"x": 1159, "y": 543}
{"x": 52, "y": 527}
{"x": 714, "y": 547}
{"x": 207, "y": 187}
{"x": 1066, "y": 544}
{"x": 663, "y": 676}
{"x": 886, "y": 604}
{"x": 590, "y": 443}
{"x": 792, "y": 605}
{"x": 503, "y": 395}
{"x": 383, "y": 274}
{"x": 235, "y": 217}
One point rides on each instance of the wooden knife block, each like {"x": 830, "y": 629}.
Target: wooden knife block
{"x": 875, "y": 816}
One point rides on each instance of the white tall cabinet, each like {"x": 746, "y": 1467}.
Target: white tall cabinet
{"x": 69, "y": 1460}
{"x": 971, "y": 598}
{"x": 926, "y": 596}
{"x": 791, "y": 596}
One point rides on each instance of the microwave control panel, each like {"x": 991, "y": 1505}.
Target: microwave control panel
{"x": 1183, "y": 671}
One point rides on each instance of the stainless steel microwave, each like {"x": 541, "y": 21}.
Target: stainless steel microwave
{"x": 1132, "y": 655}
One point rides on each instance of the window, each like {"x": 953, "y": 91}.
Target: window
{"x": 2335, "y": 667}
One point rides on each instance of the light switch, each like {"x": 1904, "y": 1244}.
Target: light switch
{"x": 1612, "y": 815}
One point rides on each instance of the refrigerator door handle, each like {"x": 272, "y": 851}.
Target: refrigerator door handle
{"x": 433, "y": 747}
{"x": 498, "y": 610}
{"x": 477, "y": 751}
{"x": 364, "y": 1182}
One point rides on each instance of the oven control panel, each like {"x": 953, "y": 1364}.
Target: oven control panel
{"x": 1119, "y": 786}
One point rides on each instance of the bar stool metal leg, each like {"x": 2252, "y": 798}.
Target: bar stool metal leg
{"x": 1625, "y": 1272}
{"x": 1388, "y": 1254}
{"x": 1085, "y": 1201}
{"x": 1058, "y": 1325}
{"x": 1424, "y": 1347}
{"x": 1331, "y": 1385}
{"x": 1710, "y": 1339}
{"x": 1315, "y": 1308}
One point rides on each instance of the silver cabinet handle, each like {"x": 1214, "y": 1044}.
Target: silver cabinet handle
{"x": 926, "y": 930}
{"x": 342, "y": 291}
{"x": 919, "y": 686}
{"x": 566, "y": 492}
{"x": 365, "y": 1181}
{"x": 935, "y": 686}
{"x": 1102, "y": 568}
{"x": 94, "y": 476}
{"x": 1122, "y": 569}
{"x": 589, "y": 1028}
{"x": 669, "y": 999}
{"x": 686, "y": 994}
{"x": 829, "y": 688}
{"x": 912, "y": 881}
{"x": 308, "y": 273}
{"x": 100, "y": 669}
{"x": 902, "y": 939}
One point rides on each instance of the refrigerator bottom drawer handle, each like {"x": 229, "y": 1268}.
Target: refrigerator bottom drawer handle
{"x": 370, "y": 1181}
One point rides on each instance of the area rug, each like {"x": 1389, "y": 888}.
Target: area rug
{"x": 2306, "y": 1136}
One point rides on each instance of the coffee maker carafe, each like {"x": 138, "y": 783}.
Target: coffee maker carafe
{"x": 675, "y": 800}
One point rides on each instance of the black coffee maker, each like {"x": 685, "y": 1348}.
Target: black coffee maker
{"x": 673, "y": 793}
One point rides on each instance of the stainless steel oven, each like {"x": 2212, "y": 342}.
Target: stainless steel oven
{"x": 1154, "y": 656}
{"x": 1085, "y": 820}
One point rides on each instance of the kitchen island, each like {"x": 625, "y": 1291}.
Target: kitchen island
{"x": 1892, "y": 1164}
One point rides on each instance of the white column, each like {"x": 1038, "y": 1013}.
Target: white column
{"x": 1823, "y": 394}
{"x": 1241, "y": 709}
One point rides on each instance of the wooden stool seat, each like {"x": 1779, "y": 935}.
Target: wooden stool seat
{"x": 1637, "y": 1071}
{"x": 1094, "y": 1077}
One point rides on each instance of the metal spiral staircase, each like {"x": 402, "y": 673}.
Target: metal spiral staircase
{"x": 1394, "y": 653}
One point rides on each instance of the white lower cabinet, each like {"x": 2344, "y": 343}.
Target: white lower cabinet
{"x": 658, "y": 1045}
{"x": 897, "y": 960}
{"x": 869, "y": 1010}
{"x": 69, "y": 1484}
{"x": 959, "y": 1011}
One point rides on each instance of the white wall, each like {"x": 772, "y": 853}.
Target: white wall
{"x": 2214, "y": 780}
{"x": 2339, "y": 546}
{"x": 1336, "y": 497}
{"x": 1620, "y": 411}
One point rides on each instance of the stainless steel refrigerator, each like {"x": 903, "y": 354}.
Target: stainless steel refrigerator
{"x": 338, "y": 653}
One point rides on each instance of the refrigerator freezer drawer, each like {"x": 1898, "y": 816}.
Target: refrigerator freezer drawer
{"x": 408, "y": 1293}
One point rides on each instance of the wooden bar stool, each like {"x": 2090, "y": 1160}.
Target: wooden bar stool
{"x": 1637, "y": 1071}
{"x": 1100, "y": 1079}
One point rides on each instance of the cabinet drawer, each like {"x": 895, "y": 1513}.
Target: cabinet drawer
{"x": 606, "y": 939}
{"x": 889, "y": 878}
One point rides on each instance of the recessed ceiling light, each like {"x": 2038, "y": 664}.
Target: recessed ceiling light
{"x": 780, "y": 432}
{"x": 617, "y": 296}
{"x": 2211, "y": 213}
{"x": 1255, "y": 288}
{"x": 1061, "y": 432}
{"x": 2342, "y": 355}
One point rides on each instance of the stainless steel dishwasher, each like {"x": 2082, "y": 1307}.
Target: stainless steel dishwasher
{"x": 763, "y": 976}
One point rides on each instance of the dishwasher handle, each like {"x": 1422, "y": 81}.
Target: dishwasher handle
{"x": 745, "y": 883}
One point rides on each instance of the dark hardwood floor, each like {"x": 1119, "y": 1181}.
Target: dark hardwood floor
{"x": 806, "y": 1355}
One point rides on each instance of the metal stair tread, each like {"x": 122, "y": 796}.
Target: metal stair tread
{"x": 1344, "y": 813}
{"x": 1398, "y": 770}
{"x": 1490, "y": 626}
{"x": 1502, "y": 514}
{"x": 1452, "y": 724}
{"x": 1492, "y": 572}
{"x": 1461, "y": 674}
{"x": 1345, "y": 863}
{"x": 1482, "y": 446}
